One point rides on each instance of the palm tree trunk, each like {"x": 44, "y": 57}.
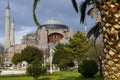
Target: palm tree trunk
{"x": 111, "y": 30}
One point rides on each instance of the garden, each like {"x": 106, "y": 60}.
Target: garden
{"x": 65, "y": 75}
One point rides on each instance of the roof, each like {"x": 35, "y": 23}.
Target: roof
{"x": 53, "y": 21}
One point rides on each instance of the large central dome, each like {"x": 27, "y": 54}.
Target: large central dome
{"x": 53, "y": 23}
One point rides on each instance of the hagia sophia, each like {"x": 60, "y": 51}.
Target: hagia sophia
{"x": 52, "y": 31}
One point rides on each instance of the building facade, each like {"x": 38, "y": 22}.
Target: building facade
{"x": 52, "y": 31}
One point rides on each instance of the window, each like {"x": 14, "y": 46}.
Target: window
{"x": 55, "y": 36}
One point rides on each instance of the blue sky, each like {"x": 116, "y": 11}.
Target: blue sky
{"x": 22, "y": 11}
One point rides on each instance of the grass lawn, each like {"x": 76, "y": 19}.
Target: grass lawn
{"x": 56, "y": 76}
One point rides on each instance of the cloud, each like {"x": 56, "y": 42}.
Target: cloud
{"x": 1, "y": 40}
{"x": 22, "y": 11}
{"x": 22, "y": 32}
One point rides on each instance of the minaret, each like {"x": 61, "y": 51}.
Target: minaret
{"x": 7, "y": 27}
{"x": 85, "y": 29}
{"x": 12, "y": 33}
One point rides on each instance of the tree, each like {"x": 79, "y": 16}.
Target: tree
{"x": 61, "y": 56}
{"x": 35, "y": 18}
{"x": 88, "y": 68}
{"x": 0, "y": 61}
{"x": 35, "y": 69}
{"x": 110, "y": 16}
{"x": 59, "y": 53}
{"x": 30, "y": 53}
{"x": 66, "y": 63}
{"x": 109, "y": 25}
{"x": 97, "y": 52}
{"x": 1, "y": 55}
{"x": 16, "y": 58}
{"x": 79, "y": 45}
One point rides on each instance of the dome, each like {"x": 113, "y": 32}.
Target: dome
{"x": 53, "y": 23}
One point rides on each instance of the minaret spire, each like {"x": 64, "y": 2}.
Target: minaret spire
{"x": 8, "y": 6}
{"x": 85, "y": 28}
{"x": 7, "y": 27}
{"x": 12, "y": 32}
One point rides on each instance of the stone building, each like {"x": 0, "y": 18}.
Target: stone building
{"x": 52, "y": 31}
{"x": 45, "y": 38}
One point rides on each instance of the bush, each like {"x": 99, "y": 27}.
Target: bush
{"x": 88, "y": 68}
{"x": 65, "y": 64}
{"x": 35, "y": 69}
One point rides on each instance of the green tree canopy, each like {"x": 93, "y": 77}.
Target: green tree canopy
{"x": 16, "y": 58}
{"x": 58, "y": 53}
{"x": 31, "y": 53}
{"x": 62, "y": 56}
{"x": 79, "y": 44}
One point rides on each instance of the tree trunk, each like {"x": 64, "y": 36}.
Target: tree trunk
{"x": 111, "y": 37}
{"x": 100, "y": 63}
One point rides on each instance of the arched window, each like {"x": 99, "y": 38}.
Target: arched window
{"x": 54, "y": 37}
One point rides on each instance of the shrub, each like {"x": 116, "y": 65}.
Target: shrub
{"x": 65, "y": 64}
{"x": 88, "y": 68}
{"x": 35, "y": 69}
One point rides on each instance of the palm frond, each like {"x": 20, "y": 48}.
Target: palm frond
{"x": 98, "y": 4}
{"x": 34, "y": 14}
{"x": 91, "y": 12}
{"x": 74, "y": 3}
{"x": 95, "y": 30}
{"x": 83, "y": 7}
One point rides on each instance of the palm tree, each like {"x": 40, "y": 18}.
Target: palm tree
{"x": 110, "y": 28}
{"x": 35, "y": 17}
{"x": 110, "y": 25}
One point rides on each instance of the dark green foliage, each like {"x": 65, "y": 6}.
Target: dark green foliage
{"x": 95, "y": 31}
{"x": 59, "y": 53}
{"x": 35, "y": 69}
{"x": 78, "y": 45}
{"x": 0, "y": 60}
{"x": 1, "y": 55}
{"x": 83, "y": 8}
{"x": 16, "y": 58}
{"x": 93, "y": 8}
{"x": 88, "y": 68}
{"x": 64, "y": 63}
{"x": 30, "y": 53}
{"x": 62, "y": 56}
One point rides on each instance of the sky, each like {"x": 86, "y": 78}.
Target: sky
{"x": 21, "y": 10}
